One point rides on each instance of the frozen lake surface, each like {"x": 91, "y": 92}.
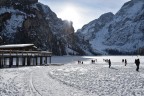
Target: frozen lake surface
{"x": 73, "y": 79}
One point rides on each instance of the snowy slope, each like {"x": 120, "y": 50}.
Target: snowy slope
{"x": 123, "y": 34}
{"x": 73, "y": 79}
{"x": 88, "y": 31}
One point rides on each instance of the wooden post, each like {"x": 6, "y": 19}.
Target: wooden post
{"x": 28, "y": 60}
{"x": 40, "y": 60}
{"x": 10, "y": 64}
{"x": 36, "y": 60}
{"x": 17, "y": 61}
{"x": 50, "y": 60}
{"x": 28, "y": 64}
{"x": 10, "y": 61}
{"x": 2, "y": 59}
{"x": 23, "y": 61}
{"x": 31, "y": 59}
{"x": 46, "y": 60}
{"x": 0, "y": 62}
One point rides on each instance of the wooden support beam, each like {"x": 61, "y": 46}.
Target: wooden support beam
{"x": 41, "y": 60}
{"x": 4, "y": 61}
{"x": 50, "y": 60}
{"x": 46, "y": 60}
{"x": 36, "y": 58}
{"x": 10, "y": 61}
{"x": 28, "y": 61}
{"x": 33, "y": 60}
{"x": 0, "y": 62}
{"x": 23, "y": 61}
{"x": 17, "y": 61}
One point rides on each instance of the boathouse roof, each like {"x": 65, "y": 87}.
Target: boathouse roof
{"x": 18, "y": 46}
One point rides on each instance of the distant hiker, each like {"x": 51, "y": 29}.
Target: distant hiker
{"x": 105, "y": 60}
{"x": 109, "y": 62}
{"x": 79, "y": 62}
{"x": 122, "y": 60}
{"x": 82, "y": 62}
{"x": 137, "y": 62}
{"x": 125, "y": 62}
{"x": 93, "y": 61}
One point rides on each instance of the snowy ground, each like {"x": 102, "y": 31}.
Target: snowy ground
{"x": 72, "y": 79}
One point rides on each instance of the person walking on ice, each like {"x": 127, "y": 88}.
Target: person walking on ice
{"x": 125, "y": 62}
{"x": 137, "y": 62}
{"x": 109, "y": 62}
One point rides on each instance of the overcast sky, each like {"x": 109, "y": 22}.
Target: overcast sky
{"x": 82, "y": 11}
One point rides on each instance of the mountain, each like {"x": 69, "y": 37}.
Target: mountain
{"x": 28, "y": 21}
{"x": 122, "y": 33}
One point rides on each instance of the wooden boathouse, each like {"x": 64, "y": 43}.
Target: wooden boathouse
{"x": 23, "y": 55}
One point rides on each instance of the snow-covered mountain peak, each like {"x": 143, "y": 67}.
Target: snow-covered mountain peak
{"x": 137, "y": 1}
{"x": 123, "y": 34}
{"x": 106, "y": 16}
{"x": 94, "y": 26}
{"x": 130, "y": 9}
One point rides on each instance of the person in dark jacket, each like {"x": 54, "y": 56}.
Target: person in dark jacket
{"x": 109, "y": 62}
{"x": 137, "y": 62}
{"x": 125, "y": 62}
{"x": 122, "y": 60}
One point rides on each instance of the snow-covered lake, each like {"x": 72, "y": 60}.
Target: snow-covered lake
{"x": 73, "y": 79}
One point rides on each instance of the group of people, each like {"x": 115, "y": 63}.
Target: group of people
{"x": 124, "y": 61}
{"x": 137, "y": 62}
{"x": 80, "y": 62}
{"x": 93, "y": 61}
{"x": 108, "y": 61}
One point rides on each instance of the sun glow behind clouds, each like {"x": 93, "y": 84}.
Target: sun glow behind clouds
{"x": 70, "y": 13}
{"x": 83, "y": 11}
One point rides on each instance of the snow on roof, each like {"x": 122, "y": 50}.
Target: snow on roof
{"x": 16, "y": 45}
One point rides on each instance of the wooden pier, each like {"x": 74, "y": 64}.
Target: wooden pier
{"x": 24, "y": 58}
{"x": 11, "y": 58}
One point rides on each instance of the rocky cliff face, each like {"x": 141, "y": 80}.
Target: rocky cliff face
{"x": 27, "y": 21}
{"x": 122, "y": 34}
{"x": 17, "y": 2}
